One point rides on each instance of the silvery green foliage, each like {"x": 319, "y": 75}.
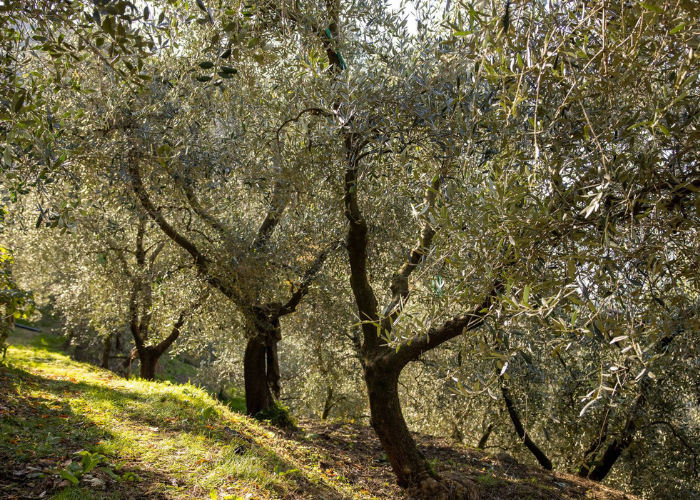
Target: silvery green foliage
{"x": 560, "y": 141}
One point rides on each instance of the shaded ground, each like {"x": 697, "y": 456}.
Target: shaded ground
{"x": 353, "y": 452}
{"x": 159, "y": 440}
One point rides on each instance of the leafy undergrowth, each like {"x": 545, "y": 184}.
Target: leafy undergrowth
{"x": 69, "y": 430}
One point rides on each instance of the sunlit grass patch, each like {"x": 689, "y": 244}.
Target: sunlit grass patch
{"x": 175, "y": 435}
{"x": 159, "y": 439}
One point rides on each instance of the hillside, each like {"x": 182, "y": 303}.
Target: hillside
{"x": 164, "y": 441}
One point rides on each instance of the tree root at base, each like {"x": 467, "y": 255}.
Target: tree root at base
{"x": 448, "y": 487}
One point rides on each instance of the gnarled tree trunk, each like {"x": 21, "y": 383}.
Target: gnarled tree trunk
{"x": 261, "y": 372}
{"x": 383, "y": 364}
{"x": 257, "y": 391}
{"x": 261, "y": 368}
{"x": 406, "y": 460}
{"x": 148, "y": 360}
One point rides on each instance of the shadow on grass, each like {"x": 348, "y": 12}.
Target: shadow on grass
{"x": 50, "y": 416}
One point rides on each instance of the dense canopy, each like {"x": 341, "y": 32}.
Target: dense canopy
{"x": 477, "y": 220}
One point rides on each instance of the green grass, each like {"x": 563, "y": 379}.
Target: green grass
{"x": 161, "y": 440}
{"x": 175, "y": 370}
{"x": 236, "y": 404}
{"x": 177, "y": 438}
{"x": 47, "y": 342}
{"x": 487, "y": 480}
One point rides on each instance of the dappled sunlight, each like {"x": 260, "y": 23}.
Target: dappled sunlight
{"x": 175, "y": 432}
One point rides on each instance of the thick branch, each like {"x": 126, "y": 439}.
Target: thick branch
{"x": 357, "y": 254}
{"x": 134, "y": 315}
{"x": 203, "y": 214}
{"x": 156, "y": 251}
{"x": 140, "y": 252}
{"x": 163, "y": 345}
{"x": 399, "y": 285}
{"x": 200, "y": 261}
{"x": 139, "y": 285}
{"x": 157, "y": 216}
{"x": 452, "y": 328}
{"x": 272, "y": 218}
{"x": 313, "y": 111}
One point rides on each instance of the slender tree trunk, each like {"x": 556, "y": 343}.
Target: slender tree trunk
{"x": 329, "y": 404}
{"x": 543, "y": 460}
{"x": 66, "y": 345}
{"x": 106, "y": 351}
{"x": 485, "y": 437}
{"x": 257, "y": 390}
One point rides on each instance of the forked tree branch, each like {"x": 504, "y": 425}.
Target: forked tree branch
{"x": 215, "y": 223}
{"x": 309, "y": 276}
{"x": 399, "y": 285}
{"x": 200, "y": 261}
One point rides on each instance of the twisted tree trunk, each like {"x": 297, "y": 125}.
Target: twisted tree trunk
{"x": 261, "y": 367}
{"x": 383, "y": 364}
{"x": 257, "y": 391}
{"x": 406, "y": 460}
{"x": 147, "y": 364}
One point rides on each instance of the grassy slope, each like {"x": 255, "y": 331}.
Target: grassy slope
{"x": 174, "y": 441}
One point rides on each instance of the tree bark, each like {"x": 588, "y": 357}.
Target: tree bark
{"x": 592, "y": 451}
{"x": 261, "y": 366}
{"x": 106, "y": 351}
{"x": 126, "y": 366}
{"x": 406, "y": 460}
{"x": 69, "y": 340}
{"x": 485, "y": 437}
{"x": 328, "y": 404}
{"x": 148, "y": 360}
{"x": 612, "y": 453}
{"x": 383, "y": 364}
{"x": 257, "y": 390}
{"x": 410, "y": 466}
{"x": 261, "y": 372}
{"x": 620, "y": 443}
